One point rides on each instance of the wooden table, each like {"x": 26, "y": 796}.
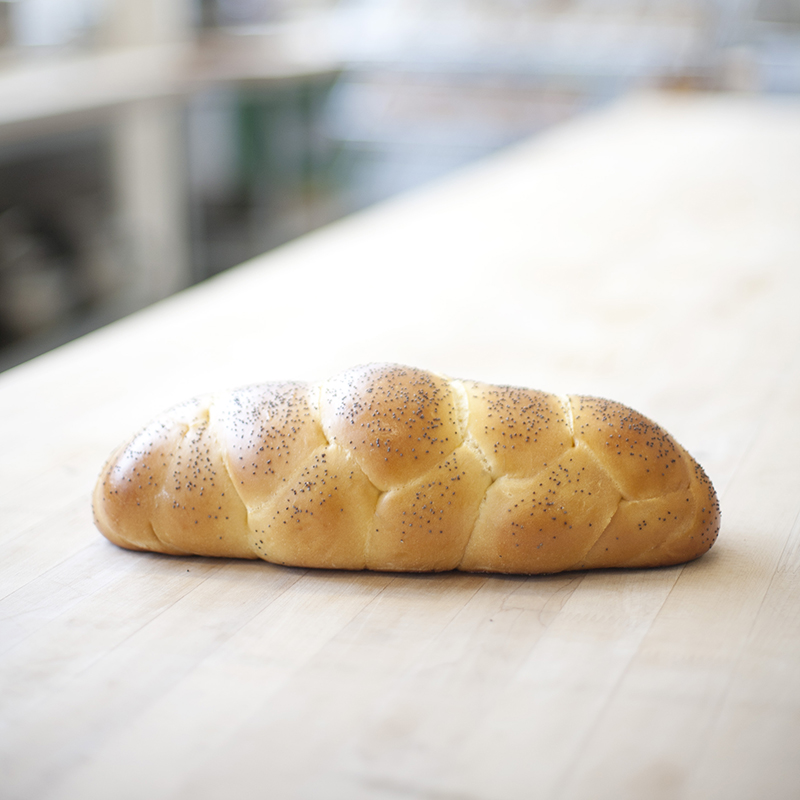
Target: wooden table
{"x": 650, "y": 253}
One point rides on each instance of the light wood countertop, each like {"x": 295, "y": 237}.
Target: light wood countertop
{"x": 649, "y": 253}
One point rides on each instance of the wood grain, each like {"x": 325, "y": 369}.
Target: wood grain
{"x": 647, "y": 253}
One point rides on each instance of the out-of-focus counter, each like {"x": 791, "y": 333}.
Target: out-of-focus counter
{"x": 648, "y": 253}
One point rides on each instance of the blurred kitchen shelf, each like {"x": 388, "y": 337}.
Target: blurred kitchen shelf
{"x": 42, "y": 94}
{"x": 108, "y": 133}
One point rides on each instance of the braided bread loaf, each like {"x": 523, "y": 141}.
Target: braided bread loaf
{"x": 393, "y": 468}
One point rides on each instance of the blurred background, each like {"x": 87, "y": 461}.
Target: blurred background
{"x": 146, "y": 145}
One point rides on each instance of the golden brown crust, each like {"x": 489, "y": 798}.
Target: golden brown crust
{"x": 546, "y": 523}
{"x": 397, "y": 422}
{"x": 126, "y": 495}
{"x": 197, "y": 508}
{"x": 320, "y": 517}
{"x": 518, "y": 430}
{"x": 425, "y": 524}
{"x": 268, "y": 433}
{"x": 642, "y": 458}
{"x": 394, "y": 468}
